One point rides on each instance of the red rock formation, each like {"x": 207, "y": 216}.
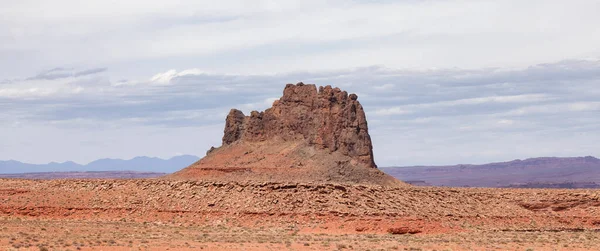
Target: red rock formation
{"x": 328, "y": 119}
{"x": 308, "y": 135}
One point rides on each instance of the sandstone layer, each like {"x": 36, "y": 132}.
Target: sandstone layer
{"x": 308, "y": 135}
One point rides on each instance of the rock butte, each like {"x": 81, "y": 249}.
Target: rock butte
{"x": 308, "y": 135}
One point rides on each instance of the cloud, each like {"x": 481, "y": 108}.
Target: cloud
{"x": 164, "y": 78}
{"x": 407, "y": 94}
{"x": 89, "y": 72}
{"x": 240, "y": 36}
{"x": 421, "y": 108}
{"x": 392, "y": 111}
{"x": 507, "y": 122}
{"x": 556, "y": 108}
{"x": 60, "y": 73}
{"x": 427, "y": 109}
{"x": 55, "y": 73}
{"x": 25, "y": 93}
{"x": 384, "y": 87}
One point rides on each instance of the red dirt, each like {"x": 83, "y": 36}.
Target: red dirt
{"x": 155, "y": 214}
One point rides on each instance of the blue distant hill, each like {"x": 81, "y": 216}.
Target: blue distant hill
{"x": 138, "y": 164}
{"x": 544, "y": 172}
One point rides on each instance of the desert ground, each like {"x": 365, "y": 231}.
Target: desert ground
{"x": 155, "y": 214}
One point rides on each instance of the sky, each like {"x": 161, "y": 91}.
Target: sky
{"x": 442, "y": 82}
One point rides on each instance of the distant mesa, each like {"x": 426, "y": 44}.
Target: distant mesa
{"x": 308, "y": 135}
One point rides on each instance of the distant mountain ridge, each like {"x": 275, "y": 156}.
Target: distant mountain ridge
{"x": 543, "y": 172}
{"x": 516, "y": 173}
{"x": 84, "y": 175}
{"x": 137, "y": 164}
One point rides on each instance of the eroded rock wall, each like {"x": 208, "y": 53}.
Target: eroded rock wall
{"x": 327, "y": 118}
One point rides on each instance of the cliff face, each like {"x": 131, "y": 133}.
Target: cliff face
{"x": 327, "y": 118}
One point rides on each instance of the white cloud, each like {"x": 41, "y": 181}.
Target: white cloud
{"x": 555, "y": 108}
{"x": 415, "y": 108}
{"x": 584, "y": 106}
{"x": 23, "y": 93}
{"x": 526, "y": 98}
{"x": 260, "y": 37}
{"x": 506, "y": 122}
{"x": 384, "y": 87}
{"x": 392, "y": 111}
{"x": 164, "y": 77}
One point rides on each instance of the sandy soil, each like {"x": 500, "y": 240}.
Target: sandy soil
{"x": 195, "y": 215}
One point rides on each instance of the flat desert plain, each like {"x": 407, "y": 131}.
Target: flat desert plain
{"x": 156, "y": 214}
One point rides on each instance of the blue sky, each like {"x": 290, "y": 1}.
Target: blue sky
{"x": 442, "y": 82}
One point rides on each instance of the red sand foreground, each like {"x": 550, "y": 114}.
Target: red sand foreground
{"x": 193, "y": 215}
